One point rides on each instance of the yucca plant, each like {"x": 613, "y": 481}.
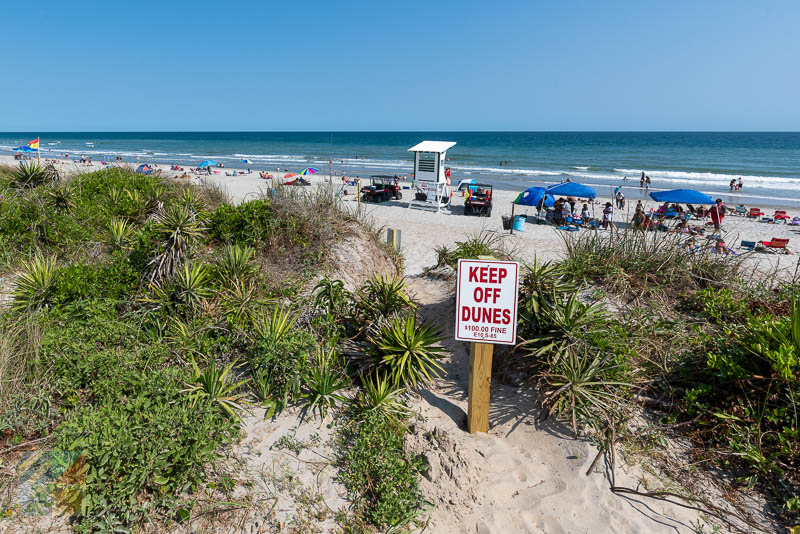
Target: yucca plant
{"x": 406, "y": 351}
{"x": 383, "y": 296}
{"x": 235, "y": 263}
{"x": 550, "y": 323}
{"x": 62, "y": 196}
{"x": 332, "y": 297}
{"x": 32, "y": 174}
{"x": 190, "y": 285}
{"x": 382, "y": 395}
{"x": 273, "y": 327}
{"x": 178, "y": 227}
{"x": 239, "y": 302}
{"x": 213, "y": 384}
{"x": 324, "y": 381}
{"x": 33, "y": 288}
{"x": 579, "y": 386}
{"x": 115, "y": 195}
{"x": 119, "y": 233}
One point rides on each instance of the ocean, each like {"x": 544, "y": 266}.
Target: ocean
{"x": 768, "y": 163}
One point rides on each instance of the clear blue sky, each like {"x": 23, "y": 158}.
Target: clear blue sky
{"x": 379, "y": 65}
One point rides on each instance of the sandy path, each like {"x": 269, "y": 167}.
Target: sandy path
{"x": 524, "y": 475}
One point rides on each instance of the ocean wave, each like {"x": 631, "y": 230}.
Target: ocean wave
{"x": 580, "y": 168}
{"x": 712, "y": 176}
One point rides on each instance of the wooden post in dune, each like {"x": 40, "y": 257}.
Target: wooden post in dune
{"x": 486, "y": 313}
{"x": 480, "y": 382}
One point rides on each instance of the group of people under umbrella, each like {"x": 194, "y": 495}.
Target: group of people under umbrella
{"x": 566, "y": 213}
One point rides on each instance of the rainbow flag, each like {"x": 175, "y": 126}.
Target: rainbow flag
{"x": 34, "y": 143}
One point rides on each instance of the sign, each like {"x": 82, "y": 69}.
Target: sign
{"x": 486, "y": 301}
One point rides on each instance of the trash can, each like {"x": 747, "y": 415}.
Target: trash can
{"x": 506, "y": 222}
{"x": 519, "y": 223}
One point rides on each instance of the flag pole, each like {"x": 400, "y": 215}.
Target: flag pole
{"x": 38, "y": 152}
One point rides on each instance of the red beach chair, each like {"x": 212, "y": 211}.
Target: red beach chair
{"x": 781, "y": 216}
{"x": 778, "y": 244}
{"x": 755, "y": 213}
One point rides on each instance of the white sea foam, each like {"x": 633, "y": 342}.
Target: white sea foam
{"x": 580, "y": 168}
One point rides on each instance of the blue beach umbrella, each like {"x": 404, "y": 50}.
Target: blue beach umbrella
{"x": 682, "y": 196}
{"x": 247, "y": 161}
{"x": 25, "y": 148}
{"x": 207, "y": 163}
{"x": 533, "y": 197}
{"x": 144, "y": 169}
{"x": 572, "y": 189}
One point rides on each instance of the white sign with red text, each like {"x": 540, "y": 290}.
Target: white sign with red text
{"x": 486, "y": 301}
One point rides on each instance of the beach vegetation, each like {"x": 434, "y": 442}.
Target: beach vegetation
{"x": 382, "y": 479}
{"x": 407, "y": 351}
{"x": 146, "y": 315}
{"x": 33, "y": 174}
{"x": 482, "y": 244}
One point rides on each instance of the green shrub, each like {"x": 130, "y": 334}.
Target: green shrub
{"x": 481, "y": 244}
{"x": 142, "y": 450}
{"x": 32, "y": 174}
{"x": 116, "y": 280}
{"x": 249, "y": 223}
{"x": 381, "y": 479}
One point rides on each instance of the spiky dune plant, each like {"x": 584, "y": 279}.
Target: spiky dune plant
{"x": 324, "y": 382}
{"x": 32, "y": 174}
{"x": 190, "y": 285}
{"x": 179, "y": 227}
{"x": 62, "y": 196}
{"x": 272, "y": 327}
{"x": 235, "y": 263}
{"x": 383, "y": 296}
{"x": 33, "y": 289}
{"x": 406, "y": 351}
{"x": 214, "y": 384}
{"x": 239, "y": 301}
{"x": 119, "y": 233}
{"x": 382, "y": 395}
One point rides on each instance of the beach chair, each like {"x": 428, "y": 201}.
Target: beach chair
{"x": 740, "y": 210}
{"x": 748, "y": 245}
{"x": 781, "y": 215}
{"x": 755, "y": 213}
{"x": 776, "y": 244}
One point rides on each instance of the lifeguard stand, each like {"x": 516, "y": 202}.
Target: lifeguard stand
{"x": 431, "y": 190}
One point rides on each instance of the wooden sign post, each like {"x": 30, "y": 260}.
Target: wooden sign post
{"x": 486, "y": 313}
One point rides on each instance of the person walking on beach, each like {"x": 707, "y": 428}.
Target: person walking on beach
{"x": 717, "y": 213}
{"x": 608, "y": 215}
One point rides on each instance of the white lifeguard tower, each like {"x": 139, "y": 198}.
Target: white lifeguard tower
{"x": 431, "y": 190}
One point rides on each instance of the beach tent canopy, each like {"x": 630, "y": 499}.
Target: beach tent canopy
{"x": 533, "y": 197}
{"x": 463, "y": 183}
{"x": 246, "y": 161}
{"x": 682, "y": 196}
{"x": 144, "y": 169}
{"x": 25, "y": 148}
{"x": 207, "y": 163}
{"x": 572, "y": 189}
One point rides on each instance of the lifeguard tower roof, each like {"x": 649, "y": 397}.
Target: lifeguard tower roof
{"x": 433, "y": 146}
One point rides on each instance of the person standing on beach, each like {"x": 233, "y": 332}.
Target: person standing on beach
{"x": 608, "y": 215}
{"x": 717, "y": 213}
{"x": 641, "y": 180}
{"x": 646, "y": 183}
{"x": 740, "y": 183}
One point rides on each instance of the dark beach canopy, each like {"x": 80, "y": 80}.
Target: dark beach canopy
{"x": 572, "y": 189}
{"x": 682, "y": 196}
{"x": 533, "y": 197}
{"x": 144, "y": 169}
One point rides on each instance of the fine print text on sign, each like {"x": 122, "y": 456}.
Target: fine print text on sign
{"x": 486, "y": 301}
